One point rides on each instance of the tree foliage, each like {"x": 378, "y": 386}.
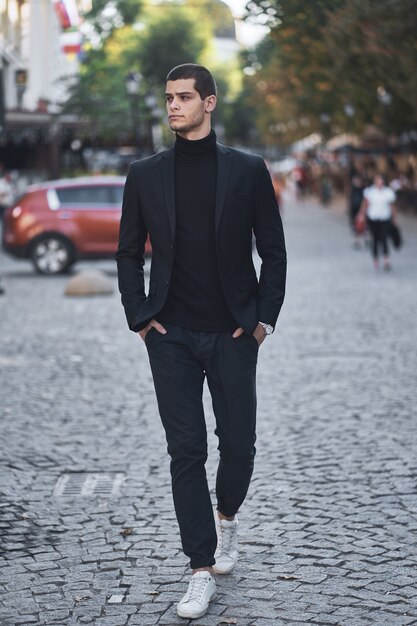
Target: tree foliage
{"x": 374, "y": 45}
{"x": 99, "y": 97}
{"x": 167, "y": 42}
{"x": 107, "y": 15}
{"x": 151, "y": 46}
{"x": 325, "y": 60}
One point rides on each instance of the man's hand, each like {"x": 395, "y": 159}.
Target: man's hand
{"x": 259, "y": 333}
{"x": 152, "y": 324}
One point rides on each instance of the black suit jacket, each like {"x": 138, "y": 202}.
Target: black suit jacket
{"x": 245, "y": 203}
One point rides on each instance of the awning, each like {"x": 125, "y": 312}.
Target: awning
{"x": 343, "y": 140}
{"x": 307, "y": 143}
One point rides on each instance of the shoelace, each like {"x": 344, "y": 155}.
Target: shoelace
{"x": 196, "y": 588}
{"x": 225, "y": 538}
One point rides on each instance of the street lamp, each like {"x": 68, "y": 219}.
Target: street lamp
{"x": 384, "y": 96}
{"x": 132, "y": 82}
{"x": 325, "y": 120}
{"x": 154, "y": 114}
{"x": 349, "y": 110}
{"x": 385, "y": 100}
{"x": 144, "y": 112}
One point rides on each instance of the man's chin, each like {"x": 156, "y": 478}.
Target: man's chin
{"x": 176, "y": 126}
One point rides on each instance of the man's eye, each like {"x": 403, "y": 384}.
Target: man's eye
{"x": 185, "y": 98}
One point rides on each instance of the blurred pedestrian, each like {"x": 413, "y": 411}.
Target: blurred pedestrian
{"x": 299, "y": 176}
{"x": 325, "y": 185}
{"x": 277, "y": 183}
{"x": 379, "y": 207}
{"x": 357, "y": 187}
{"x": 206, "y": 314}
{"x": 6, "y": 192}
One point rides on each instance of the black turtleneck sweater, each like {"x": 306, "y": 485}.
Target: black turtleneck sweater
{"x": 195, "y": 298}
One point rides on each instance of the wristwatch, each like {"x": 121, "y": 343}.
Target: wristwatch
{"x": 267, "y": 328}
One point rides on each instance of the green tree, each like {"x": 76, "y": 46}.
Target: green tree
{"x": 98, "y": 98}
{"x": 107, "y": 15}
{"x": 373, "y": 45}
{"x": 291, "y": 89}
{"x": 99, "y": 95}
{"x": 322, "y": 56}
{"x": 169, "y": 39}
{"x": 127, "y": 36}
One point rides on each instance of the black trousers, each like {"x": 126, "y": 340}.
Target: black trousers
{"x": 180, "y": 361}
{"x": 379, "y": 231}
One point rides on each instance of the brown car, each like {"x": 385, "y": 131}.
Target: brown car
{"x": 55, "y": 223}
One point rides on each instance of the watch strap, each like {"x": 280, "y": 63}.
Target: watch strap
{"x": 267, "y": 328}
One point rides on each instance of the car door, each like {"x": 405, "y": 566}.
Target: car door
{"x": 94, "y": 217}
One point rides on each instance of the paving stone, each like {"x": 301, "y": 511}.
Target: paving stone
{"x": 48, "y": 617}
{"x": 328, "y": 529}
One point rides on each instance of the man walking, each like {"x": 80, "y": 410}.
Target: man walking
{"x": 205, "y": 314}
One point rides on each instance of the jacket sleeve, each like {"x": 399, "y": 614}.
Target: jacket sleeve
{"x": 270, "y": 244}
{"x": 130, "y": 252}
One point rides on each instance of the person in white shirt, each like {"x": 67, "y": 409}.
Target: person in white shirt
{"x": 379, "y": 207}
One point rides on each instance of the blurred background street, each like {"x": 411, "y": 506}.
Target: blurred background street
{"x": 326, "y": 93}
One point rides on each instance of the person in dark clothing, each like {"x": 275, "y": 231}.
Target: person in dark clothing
{"x": 206, "y": 313}
{"x": 356, "y": 195}
{"x": 355, "y": 200}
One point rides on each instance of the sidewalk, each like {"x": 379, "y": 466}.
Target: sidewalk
{"x": 328, "y": 532}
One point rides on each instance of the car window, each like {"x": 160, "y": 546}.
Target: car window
{"x": 96, "y": 195}
{"x": 117, "y": 194}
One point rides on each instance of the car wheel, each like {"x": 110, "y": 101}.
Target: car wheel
{"x": 51, "y": 255}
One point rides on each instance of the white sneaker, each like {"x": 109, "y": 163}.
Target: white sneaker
{"x": 201, "y": 590}
{"x": 227, "y": 550}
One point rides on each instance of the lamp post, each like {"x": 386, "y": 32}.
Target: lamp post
{"x": 153, "y": 116}
{"x": 349, "y": 110}
{"x": 133, "y": 81}
{"x": 383, "y": 96}
{"x": 385, "y": 100}
{"x": 151, "y": 102}
{"x": 325, "y": 120}
{"x": 144, "y": 111}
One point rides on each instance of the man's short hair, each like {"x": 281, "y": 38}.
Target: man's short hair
{"x": 204, "y": 81}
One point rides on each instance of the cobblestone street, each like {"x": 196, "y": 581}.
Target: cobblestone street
{"x": 328, "y": 532}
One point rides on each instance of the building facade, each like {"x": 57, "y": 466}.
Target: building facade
{"x": 39, "y": 45}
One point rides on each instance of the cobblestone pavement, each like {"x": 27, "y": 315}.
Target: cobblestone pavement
{"x": 328, "y": 533}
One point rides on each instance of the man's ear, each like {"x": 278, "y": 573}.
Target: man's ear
{"x": 211, "y": 102}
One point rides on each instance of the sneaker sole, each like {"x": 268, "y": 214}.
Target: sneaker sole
{"x": 224, "y": 571}
{"x": 195, "y": 615}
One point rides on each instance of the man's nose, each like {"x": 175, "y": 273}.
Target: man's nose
{"x": 174, "y": 104}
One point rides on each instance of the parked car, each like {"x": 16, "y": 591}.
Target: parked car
{"x": 58, "y": 222}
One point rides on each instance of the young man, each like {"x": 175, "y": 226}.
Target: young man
{"x": 206, "y": 313}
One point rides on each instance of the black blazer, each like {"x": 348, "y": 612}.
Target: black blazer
{"x": 245, "y": 203}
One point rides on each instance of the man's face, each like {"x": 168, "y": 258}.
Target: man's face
{"x": 185, "y": 108}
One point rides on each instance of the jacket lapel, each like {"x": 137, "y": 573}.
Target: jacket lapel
{"x": 223, "y": 173}
{"x": 167, "y": 164}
